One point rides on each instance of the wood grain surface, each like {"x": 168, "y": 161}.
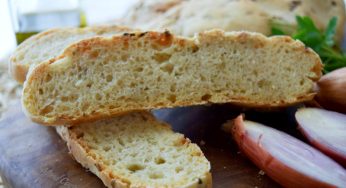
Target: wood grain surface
{"x": 34, "y": 156}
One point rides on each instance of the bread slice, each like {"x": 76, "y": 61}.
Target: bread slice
{"x": 136, "y": 150}
{"x": 102, "y": 77}
{"x": 49, "y": 44}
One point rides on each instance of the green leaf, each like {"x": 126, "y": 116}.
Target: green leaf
{"x": 277, "y": 31}
{"x": 322, "y": 42}
{"x": 306, "y": 23}
{"x": 330, "y": 32}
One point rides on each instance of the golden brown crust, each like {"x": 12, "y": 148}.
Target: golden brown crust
{"x": 81, "y": 155}
{"x": 163, "y": 40}
{"x": 18, "y": 71}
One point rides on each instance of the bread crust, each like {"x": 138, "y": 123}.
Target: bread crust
{"x": 164, "y": 39}
{"x": 79, "y": 152}
{"x": 19, "y": 68}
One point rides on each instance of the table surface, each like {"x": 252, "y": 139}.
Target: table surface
{"x": 34, "y": 156}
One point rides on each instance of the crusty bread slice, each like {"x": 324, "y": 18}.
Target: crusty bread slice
{"x": 49, "y": 44}
{"x": 136, "y": 150}
{"x": 102, "y": 77}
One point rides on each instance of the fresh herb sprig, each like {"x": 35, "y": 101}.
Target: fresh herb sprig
{"x": 322, "y": 42}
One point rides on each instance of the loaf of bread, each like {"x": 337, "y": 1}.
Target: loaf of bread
{"x": 186, "y": 17}
{"x": 136, "y": 150}
{"x": 102, "y": 77}
{"x": 144, "y": 11}
{"x": 190, "y": 17}
{"x": 49, "y": 44}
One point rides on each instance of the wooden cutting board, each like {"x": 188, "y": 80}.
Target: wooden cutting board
{"x": 34, "y": 156}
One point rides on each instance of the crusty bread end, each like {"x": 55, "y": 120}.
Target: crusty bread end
{"x": 51, "y": 43}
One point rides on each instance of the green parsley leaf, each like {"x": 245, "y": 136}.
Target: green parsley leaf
{"x": 330, "y": 32}
{"x": 322, "y": 42}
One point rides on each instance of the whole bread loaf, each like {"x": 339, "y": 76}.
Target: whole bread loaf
{"x": 186, "y": 17}
{"x": 49, "y": 44}
{"x": 102, "y": 77}
{"x": 136, "y": 150}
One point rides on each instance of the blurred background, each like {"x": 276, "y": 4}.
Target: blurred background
{"x": 36, "y": 15}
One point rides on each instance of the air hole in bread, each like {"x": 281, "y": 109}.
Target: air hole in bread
{"x": 206, "y": 97}
{"x": 73, "y": 97}
{"x": 85, "y": 106}
{"x": 109, "y": 78}
{"x": 106, "y": 148}
{"x": 89, "y": 85}
{"x": 132, "y": 84}
{"x": 177, "y": 74}
{"x": 138, "y": 69}
{"x": 121, "y": 142}
{"x": 156, "y": 176}
{"x": 178, "y": 169}
{"x": 98, "y": 96}
{"x": 120, "y": 83}
{"x": 160, "y": 160}
{"x": 133, "y": 168}
{"x": 161, "y": 57}
{"x": 167, "y": 68}
{"x": 124, "y": 57}
{"x": 139, "y": 59}
{"x": 194, "y": 49}
{"x": 263, "y": 83}
{"x": 156, "y": 47}
{"x": 302, "y": 82}
{"x": 172, "y": 98}
{"x": 133, "y": 154}
{"x": 64, "y": 99}
{"x": 48, "y": 78}
{"x": 47, "y": 109}
{"x": 173, "y": 88}
{"x": 40, "y": 91}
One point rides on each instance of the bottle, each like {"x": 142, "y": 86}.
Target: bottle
{"x": 32, "y": 16}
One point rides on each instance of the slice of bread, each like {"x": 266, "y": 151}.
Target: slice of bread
{"x": 136, "y": 150}
{"x": 49, "y": 44}
{"x": 102, "y": 77}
